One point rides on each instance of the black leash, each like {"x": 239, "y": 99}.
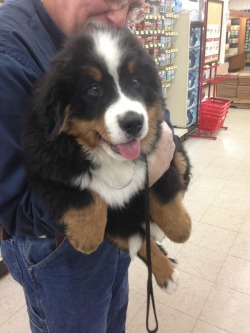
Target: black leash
{"x": 150, "y": 293}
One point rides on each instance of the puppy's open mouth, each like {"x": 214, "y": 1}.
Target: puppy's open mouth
{"x": 129, "y": 150}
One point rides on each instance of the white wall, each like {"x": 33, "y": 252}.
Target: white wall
{"x": 186, "y": 4}
{"x": 239, "y": 4}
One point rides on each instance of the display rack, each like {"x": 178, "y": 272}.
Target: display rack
{"x": 211, "y": 79}
{"x": 183, "y": 98}
{"x": 227, "y": 42}
{"x": 157, "y": 35}
{"x": 194, "y": 73}
{"x": 234, "y": 36}
{"x": 247, "y": 43}
{"x": 212, "y": 110}
{"x": 236, "y": 55}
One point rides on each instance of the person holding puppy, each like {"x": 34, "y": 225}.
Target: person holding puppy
{"x": 65, "y": 290}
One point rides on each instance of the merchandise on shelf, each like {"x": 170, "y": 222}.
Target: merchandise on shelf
{"x": 183, "y": 93}
{"x": 193, "y": 75}
{"x": 192, "y": 115}
{"x": 156, "y": 34}
{"x": 227, "y": 37}
{"x": 193, "y": 79}
{"x": 234, "y": 36}
{"x": 247, "y": 42}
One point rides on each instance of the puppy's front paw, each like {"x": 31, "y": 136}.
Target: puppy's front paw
{"x": 85, "y": 226}
{"x": 167, "y": 276}
{"x": 182, "y": 230}
{"x": 172, "y": 283}
{"x": 172, "y": 218}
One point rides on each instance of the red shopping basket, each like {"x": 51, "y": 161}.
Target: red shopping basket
{"x": 212, "y": 115}
{"x": 215, "y": 105}
{"x": 209, "y": 122}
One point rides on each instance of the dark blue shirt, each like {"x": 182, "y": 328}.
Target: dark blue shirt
{"x": 28, "y": 41}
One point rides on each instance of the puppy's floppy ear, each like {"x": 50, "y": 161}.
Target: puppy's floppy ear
{"x": 51, "y": 97}
{"x": 56, "y": 121}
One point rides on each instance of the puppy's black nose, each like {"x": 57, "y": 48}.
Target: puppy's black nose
{"x": 131, "y": 123}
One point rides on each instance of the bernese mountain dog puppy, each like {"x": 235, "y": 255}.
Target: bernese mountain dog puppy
{"x": 94, "y": 117}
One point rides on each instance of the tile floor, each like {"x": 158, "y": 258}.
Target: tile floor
{"x": 214, "y": 265}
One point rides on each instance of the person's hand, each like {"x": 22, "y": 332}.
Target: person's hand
{"x": 159, "y": 160}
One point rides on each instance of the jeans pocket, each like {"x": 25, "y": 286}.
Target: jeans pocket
{"x": 38, "y": 252}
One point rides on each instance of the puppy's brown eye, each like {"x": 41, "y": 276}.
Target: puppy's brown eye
{"x": 95, "y": 91}
{"x": 135, "y": 83}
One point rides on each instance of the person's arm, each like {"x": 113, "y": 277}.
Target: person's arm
{"x": 159, "y": 160}
{"x": 20, "y": 208}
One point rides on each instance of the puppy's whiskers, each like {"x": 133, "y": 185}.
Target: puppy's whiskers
{"x": 102, "y": 137}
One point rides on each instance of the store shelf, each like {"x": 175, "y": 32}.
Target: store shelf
{"x": 183, "y": 97}
{"x": 181, "y": 132}
{"x": 235, "y": 55}
{"x": 194, "y": 87}
{"x": 247, "y": 42}
{"x": 157, "y": 34}
{"x": 234, "y": 36}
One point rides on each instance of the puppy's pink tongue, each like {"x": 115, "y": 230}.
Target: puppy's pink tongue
{"x": 130, "y": 150}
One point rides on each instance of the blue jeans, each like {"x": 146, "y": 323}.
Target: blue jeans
{"x": 67, "y": 291}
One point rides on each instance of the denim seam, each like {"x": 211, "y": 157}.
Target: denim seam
{"x": 39, "y": 301}
{"x": 35, "y": 287}
{"x": 17, "y": 264}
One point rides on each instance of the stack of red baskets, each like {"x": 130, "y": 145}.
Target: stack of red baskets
{"x": 213, "y": 112}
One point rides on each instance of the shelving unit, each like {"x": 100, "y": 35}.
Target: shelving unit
{"x": 194, "y": 73}
{"x": 236, "y": 55}
{"x": 183, "y": 97}
{"x": 234, "y": 36}
{"x": 227, "y": 38}
{"x": 212, "y": 110}
{"x": 157, "y": 35}
{"x": 247, "y": 43}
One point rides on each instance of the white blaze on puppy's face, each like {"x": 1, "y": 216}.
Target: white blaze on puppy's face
{"x": 108, "y": 47}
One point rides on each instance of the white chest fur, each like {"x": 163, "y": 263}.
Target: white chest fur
{"x": 111, "y": 174}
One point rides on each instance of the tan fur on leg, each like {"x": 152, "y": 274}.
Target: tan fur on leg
{"x": 172, "y": 218}
{"x": 180, "y": 162}
{"x": 162, "y": 267}
{"x": 86, "y": 226}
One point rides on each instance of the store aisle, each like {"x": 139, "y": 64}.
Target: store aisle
{"x": 214, "y": 265}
